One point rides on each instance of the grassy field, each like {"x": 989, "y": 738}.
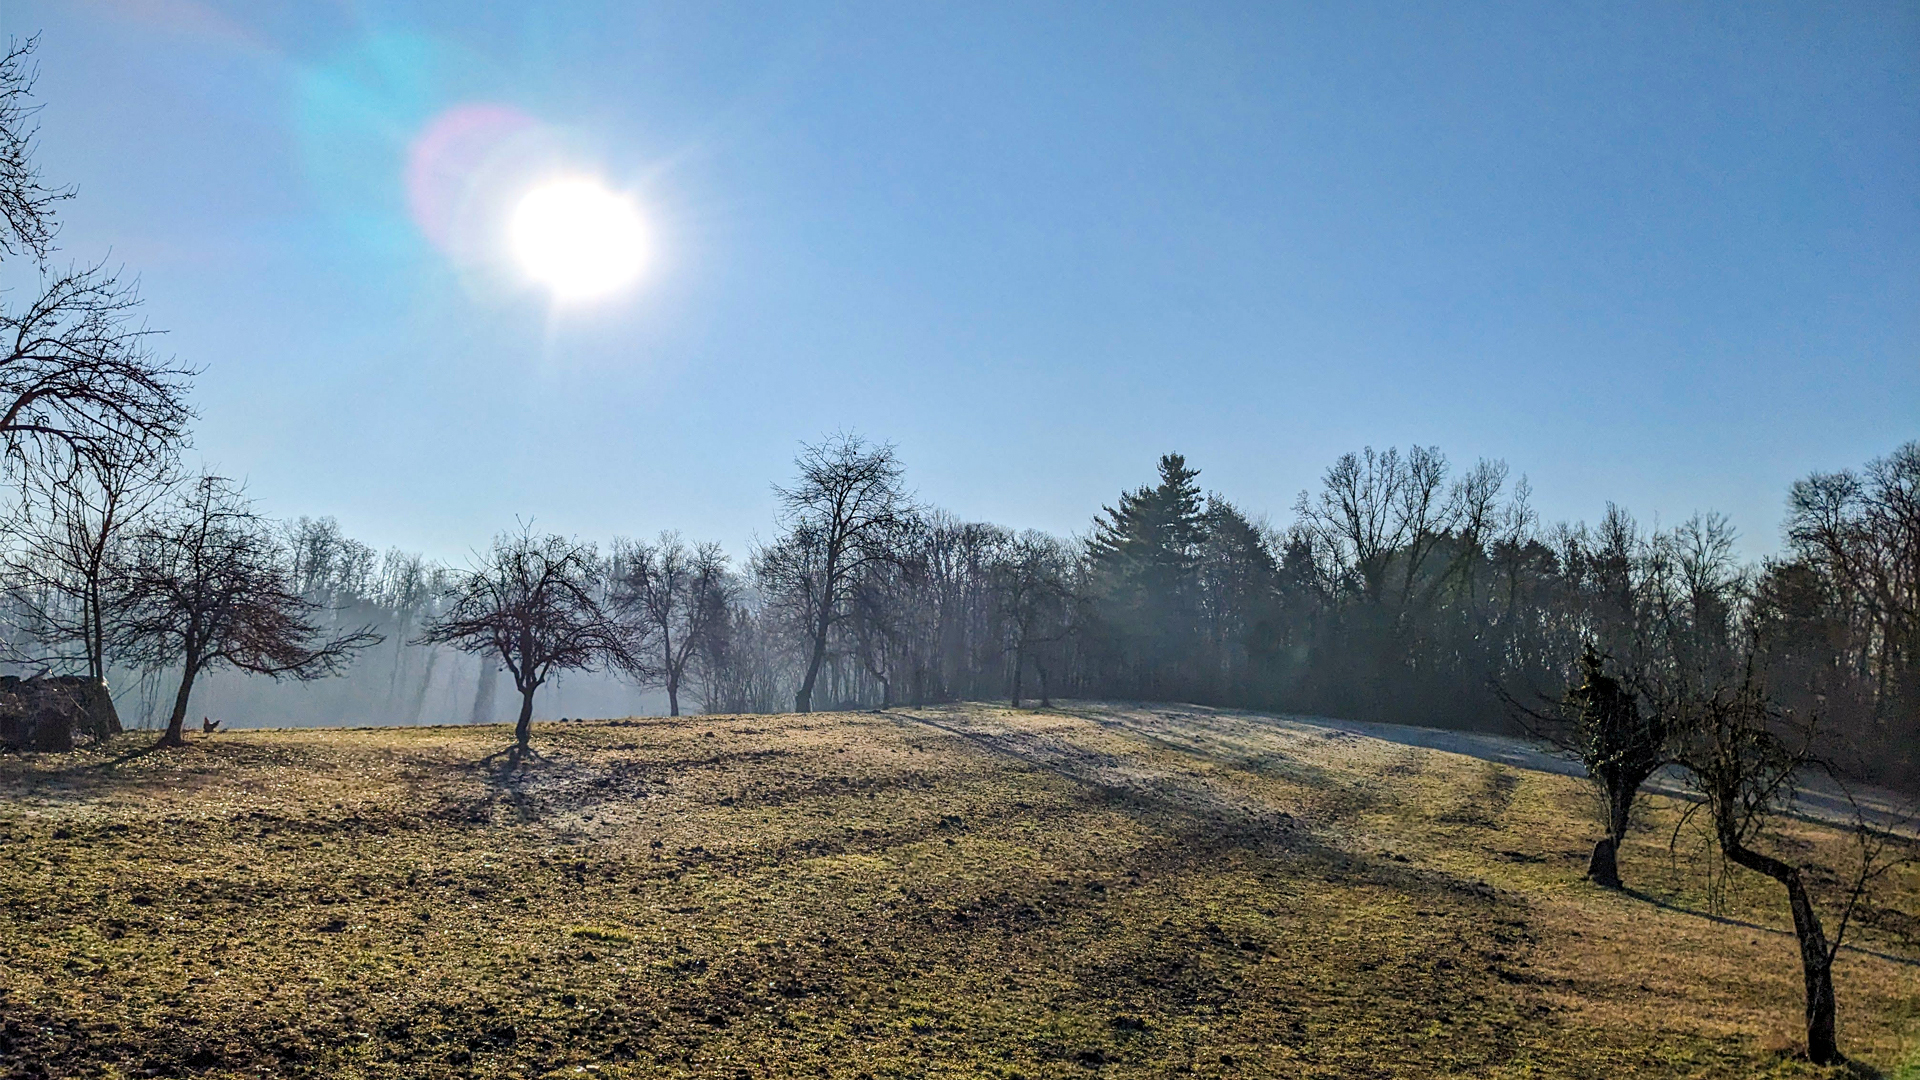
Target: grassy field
{"x": 957, "y": 892}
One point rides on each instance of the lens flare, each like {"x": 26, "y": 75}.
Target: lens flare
{"x": 578, "y": 239}
{"x": 456, "y": 164}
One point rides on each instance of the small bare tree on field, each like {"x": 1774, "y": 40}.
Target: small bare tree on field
{"x": 1745, "y": 757}
{"x": 671, "y": 598}
{"x": 207, "y": 585}
{"x": 1660, "y": 619}
{"x": 844, "y": 513}
{"x": 535, "y": 604}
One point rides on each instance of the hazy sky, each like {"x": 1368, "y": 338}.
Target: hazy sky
{"x": 1666, "y": 255}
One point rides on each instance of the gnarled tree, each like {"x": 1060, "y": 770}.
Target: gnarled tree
{"x": 535, "y": 603}
{"x": 207, "y": 585}
{"x": 1745, "y": 756}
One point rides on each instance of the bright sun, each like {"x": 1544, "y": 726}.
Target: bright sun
{"x": 578, "y": 239}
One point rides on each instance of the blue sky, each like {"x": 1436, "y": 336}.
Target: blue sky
{"x": 1666, "y": 255}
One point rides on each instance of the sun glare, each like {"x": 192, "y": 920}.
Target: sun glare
{"x": 578, "y": 239}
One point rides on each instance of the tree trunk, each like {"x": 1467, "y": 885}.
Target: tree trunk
{"x": 177, "y": 723}
{"x": 484, "y": 692}
{"x": 1620, "y": 809}
{"x": 426, "y": 683}
{"x": 1816, "y": 959}
{"x": 803, "y": 701}
{"x": 673, "y": 673}
{"x": 523, "y": 730}
{"x": 1019, "y": 668}
{"x": 1046, "y": 700}
{"x": 94, "y": 617}
{"x": 1816, "y": 969}
{"x": 1603, "y": 868}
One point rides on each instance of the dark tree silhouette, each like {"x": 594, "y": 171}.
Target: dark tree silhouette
{"x": 1621, "y": 745}
{"x": 27, "y": 224}
{"x": 207, "y": 585}
{"x": 1034, "y": 585}
{"x": 1848, "y": 597}
{"x": 76, "y": 371}
{"x": 845, "y": 511}
{"x": 1745, "y": 756}
{"x": 1144, "y": 561}
{"x": 535, "y": 603}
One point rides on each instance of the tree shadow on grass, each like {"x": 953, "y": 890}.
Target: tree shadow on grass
{"x": 83, "y": 774}
{"x": 1203, "y": 814}
{"x": 507, "y": 772}
{"x": 145, "y": 749}
{"x": 1727, "y": 920}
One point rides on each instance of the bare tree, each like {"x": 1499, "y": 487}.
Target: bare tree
{"x": 1034, "y": 590}
{"x": 888, "y": 613}
{"x": 1745, "y": 757}
{"x": 741, "y": 666}
{"x": 78, "y": 376}
{"x": 535, "y": 604}
{"x": 76, "y": 371}
{"x": 66, "y": 532}
{"x": 328, "y": 565}
{"x": 89, "y": 417}
{"x": 1857, "y": 535}
{"x": 207, "y": 585}
{"x": 1657, "y": 618}
{"x": 843, "y": 513}
{"x": 671, "y": 597}
{"x": 27, "y": 223}
{"x": 1376, "y": 509}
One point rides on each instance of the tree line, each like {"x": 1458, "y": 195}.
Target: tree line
{"x": 1399, "y": 592}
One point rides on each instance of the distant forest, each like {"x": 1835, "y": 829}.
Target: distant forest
{"x": 1402, "y": 590}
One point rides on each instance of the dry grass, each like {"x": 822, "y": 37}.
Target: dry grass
{"x": 1093, "y": 892}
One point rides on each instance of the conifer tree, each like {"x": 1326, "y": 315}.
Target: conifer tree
{"x": 1145, "y": 558}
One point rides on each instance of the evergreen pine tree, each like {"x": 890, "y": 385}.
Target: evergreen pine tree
{"x": 1145, "y": 557}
